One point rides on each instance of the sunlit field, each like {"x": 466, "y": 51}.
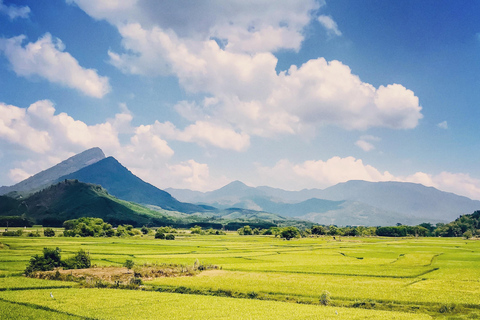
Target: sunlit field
{"x": 259, "y": 277}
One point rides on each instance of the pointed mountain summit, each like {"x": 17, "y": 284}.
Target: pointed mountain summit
{"x": 123, "y": 184}
{"x": 47, "y": 177}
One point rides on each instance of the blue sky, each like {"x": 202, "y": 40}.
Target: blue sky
{"x": 292, "y": 94}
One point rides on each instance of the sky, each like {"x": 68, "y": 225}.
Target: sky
{"x": 289, "y": 94}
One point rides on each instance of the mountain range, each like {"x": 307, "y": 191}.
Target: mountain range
{"x": 349, "y": 203}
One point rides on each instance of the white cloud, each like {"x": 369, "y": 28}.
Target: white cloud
{"x": 237, "y": 70}
{"x": 50, "y": 138}
{"x": 443, "y": 125}
{"x": 264, "y": 26}
{"x": 364, "y": 144}
{"x": 328, "y": 23}
{"x": 13, "y": 11}
{"x": 205, "y": 133}
{"x": 46, "y": 58}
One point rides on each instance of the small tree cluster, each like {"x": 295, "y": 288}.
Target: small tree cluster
{"x": 197, "y": 230}
{"x": 49, "y": 232}
{"x": 88, "y": 227}
{"x": 51, "y": 259}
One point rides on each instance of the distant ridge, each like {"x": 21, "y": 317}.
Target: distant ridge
{"x": 123, "y": 184}
{"x": 47, "y": 177}
{"x": 352, "y": 202}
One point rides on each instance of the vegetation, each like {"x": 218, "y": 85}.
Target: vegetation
{"x": 49, "y": 232}
{"x": 51, "y": 259}
{"x": 361, "y": 273}
{"x": 88, "y": 227}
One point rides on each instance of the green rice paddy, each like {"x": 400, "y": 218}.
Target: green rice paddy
{"x": 261, "y": 277}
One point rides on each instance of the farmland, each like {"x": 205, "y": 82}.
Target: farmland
{"x": 258, "y": 277}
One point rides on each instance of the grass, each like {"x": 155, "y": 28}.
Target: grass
{"x": 111, "y": 304}
{"x": 377, "y": 278}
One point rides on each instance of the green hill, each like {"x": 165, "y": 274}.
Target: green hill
{"x": 72, "y": 199}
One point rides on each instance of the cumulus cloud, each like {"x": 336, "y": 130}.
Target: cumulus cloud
{"x": 205, "y": 133}
{"x": 322, "y": 174}
{"x": 46, "y": 58}
{"x": 243, "y": 27}
{"x": 49, "y": 138}
{"x": 328, "y": 23}
{"x": 13, "y": 11}
{"x": 227, "y": 54}
{"x": 443, "y": 125}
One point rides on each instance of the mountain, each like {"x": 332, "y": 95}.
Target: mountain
{"x": 384, "y": 203}
{"x": 50, "y": 175}
{"x": 403, "y": 197}
{"x": 72, "y": 199}
{"x": 123, "y": 184}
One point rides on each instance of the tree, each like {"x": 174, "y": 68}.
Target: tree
{"x": 50, "y": 260}
{"x": 81, "y": 260}
{"x": 319, "y": 230}
{"x": 290, "y": 233}
{"x": 49, "y": 232}
{"x": 325, "y": 298}
{"x": 467, "y": 234}
{"x": 129, "y": 264}
{"x": 170, "y": 237}
{"x": 145, "y": 230}
{"x": 159, "y": 235}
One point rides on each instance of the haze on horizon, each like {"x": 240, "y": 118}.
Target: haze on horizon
{"x": 302, "y": 94}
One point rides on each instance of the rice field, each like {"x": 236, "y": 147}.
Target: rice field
{"x": 260, "y": 277}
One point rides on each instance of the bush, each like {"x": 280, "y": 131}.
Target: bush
{"x": 49, "y": 232}
{"x": 170, "y": 237}
{"x": 159, "y": 235}
{"x": 129, "y": 264}
{"x": 144, "y": 230}
{"x": 81, "y": 260}
{"x": 34, "y": 234}
{"x": 289, "y": 233}
{"x": 197, "y": 230}
{"x": 467, "y": 234}
{"x": 50, "y": 260}
{"x": 319, "y": 230}
{"x": 17, "y": 233}
{"x": 87, "y": 227}
{"x": 325, "y": 298}
{"x": 245, "y": 231}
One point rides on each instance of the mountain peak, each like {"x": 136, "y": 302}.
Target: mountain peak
{"x": 65, "y": 167}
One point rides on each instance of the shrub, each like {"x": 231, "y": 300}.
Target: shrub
{"x": 50, "y": 260}
{"x": 144, "y": 230}
{"x": 129, "y": 264}
{"x": 159, "y": 235}
{"x": 81, "y": 260}
{"x": 289, "y": 233}
{"x": 49, "y": 232}
{"x": 87, "y": 227}
{"x": 325, "y": 298}
{"x": 245, "y": 231}
{"x": 170, "y": 237}
{"x": 17, "y": 233}
{"x": 319, "y": 230}
{"x": 34, "y": 234}
{"x": 197, "y": 230}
